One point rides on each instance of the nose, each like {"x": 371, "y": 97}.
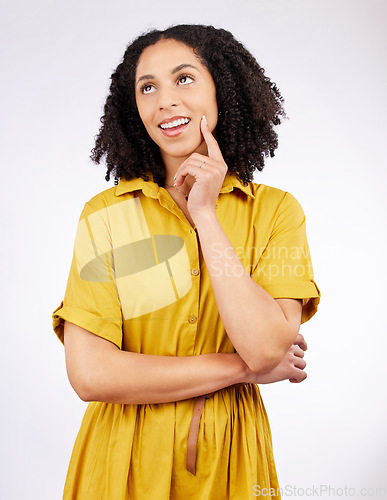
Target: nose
{"x": 168, "y": 97}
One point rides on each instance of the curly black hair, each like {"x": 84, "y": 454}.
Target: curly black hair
{"x": 249, "y": 105}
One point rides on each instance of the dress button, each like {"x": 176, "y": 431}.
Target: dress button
{"x": 194, "y": 272}
{"x": 192, "y": 319}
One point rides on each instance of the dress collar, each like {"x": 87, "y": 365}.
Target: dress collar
{"x": 151, "y": 188}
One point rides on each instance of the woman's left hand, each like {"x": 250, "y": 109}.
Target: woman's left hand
{"x": 209, "y": 172}
{"x": 292, "y": 366}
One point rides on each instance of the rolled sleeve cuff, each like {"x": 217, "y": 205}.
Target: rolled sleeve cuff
{"x": 309, "y": 292}
{"x": 87, "y": 320}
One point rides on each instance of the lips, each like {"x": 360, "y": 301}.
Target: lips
{"x": 174, "y": 126}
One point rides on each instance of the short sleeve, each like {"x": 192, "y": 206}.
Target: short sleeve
{"x": 91, "y": 300}
{"x": 285, "y": 267}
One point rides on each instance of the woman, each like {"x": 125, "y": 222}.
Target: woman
{"x": 189, "y": 282}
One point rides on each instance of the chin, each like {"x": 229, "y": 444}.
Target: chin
{"x": 181, "y": 151}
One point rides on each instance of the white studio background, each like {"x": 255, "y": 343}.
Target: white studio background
{"x": 328, "y": 57}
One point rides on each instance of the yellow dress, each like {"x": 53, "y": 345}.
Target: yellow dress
{"x": 139, "y": 280}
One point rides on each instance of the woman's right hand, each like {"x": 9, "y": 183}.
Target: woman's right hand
{"x": 290, "y": 368}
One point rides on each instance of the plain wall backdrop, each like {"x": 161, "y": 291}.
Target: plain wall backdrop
{"x": 328, "y": 58}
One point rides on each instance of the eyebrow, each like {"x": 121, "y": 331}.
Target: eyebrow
{"x": 175, "y": 70}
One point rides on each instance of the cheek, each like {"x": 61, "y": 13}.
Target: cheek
{"x": 145, "y": 118}
{"x": 143, "y": 107}
{"x": 208, "y": 103}
{"x": 141, "y": 112}
{"x": 212, "y": 113}
{"x": 214, "y": 104}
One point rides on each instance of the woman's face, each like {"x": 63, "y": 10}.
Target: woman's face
{"x": 173, "y": 91}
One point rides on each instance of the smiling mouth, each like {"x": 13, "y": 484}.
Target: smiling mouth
{"x": 174, "y": 124}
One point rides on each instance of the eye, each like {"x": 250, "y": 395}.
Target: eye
{"x": 147, "y": 88}
{"x": 185, "y": 79}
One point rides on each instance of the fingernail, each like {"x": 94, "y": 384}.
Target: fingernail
{"x": 204, "y": 119}
{"x": 174, "y": 178}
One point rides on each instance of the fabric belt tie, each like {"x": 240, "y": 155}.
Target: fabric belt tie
{"x": 194, "y": 430}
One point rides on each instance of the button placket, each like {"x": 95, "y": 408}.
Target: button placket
{"x": 169, "y": 203}
{"x": 193, "y": 311}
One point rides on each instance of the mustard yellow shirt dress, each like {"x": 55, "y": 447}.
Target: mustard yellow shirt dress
{"x": 138, "y": 279}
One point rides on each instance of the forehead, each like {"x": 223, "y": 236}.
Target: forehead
{"x": 166, "y": 54}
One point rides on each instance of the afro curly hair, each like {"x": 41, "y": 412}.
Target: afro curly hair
{"x": 249, "y": 105}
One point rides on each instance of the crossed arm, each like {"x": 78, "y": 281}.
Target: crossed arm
{"x": 263, "y": 330}
{"x": 99, "y": 371}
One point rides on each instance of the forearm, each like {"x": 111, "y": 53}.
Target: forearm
{"x": 130, "y": 378}
{"x": 253, "y": 320}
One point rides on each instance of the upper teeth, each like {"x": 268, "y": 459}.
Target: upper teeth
{"x": 176, "y": 123}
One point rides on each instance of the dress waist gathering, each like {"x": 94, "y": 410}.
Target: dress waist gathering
{"x": 194, "y": 429}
